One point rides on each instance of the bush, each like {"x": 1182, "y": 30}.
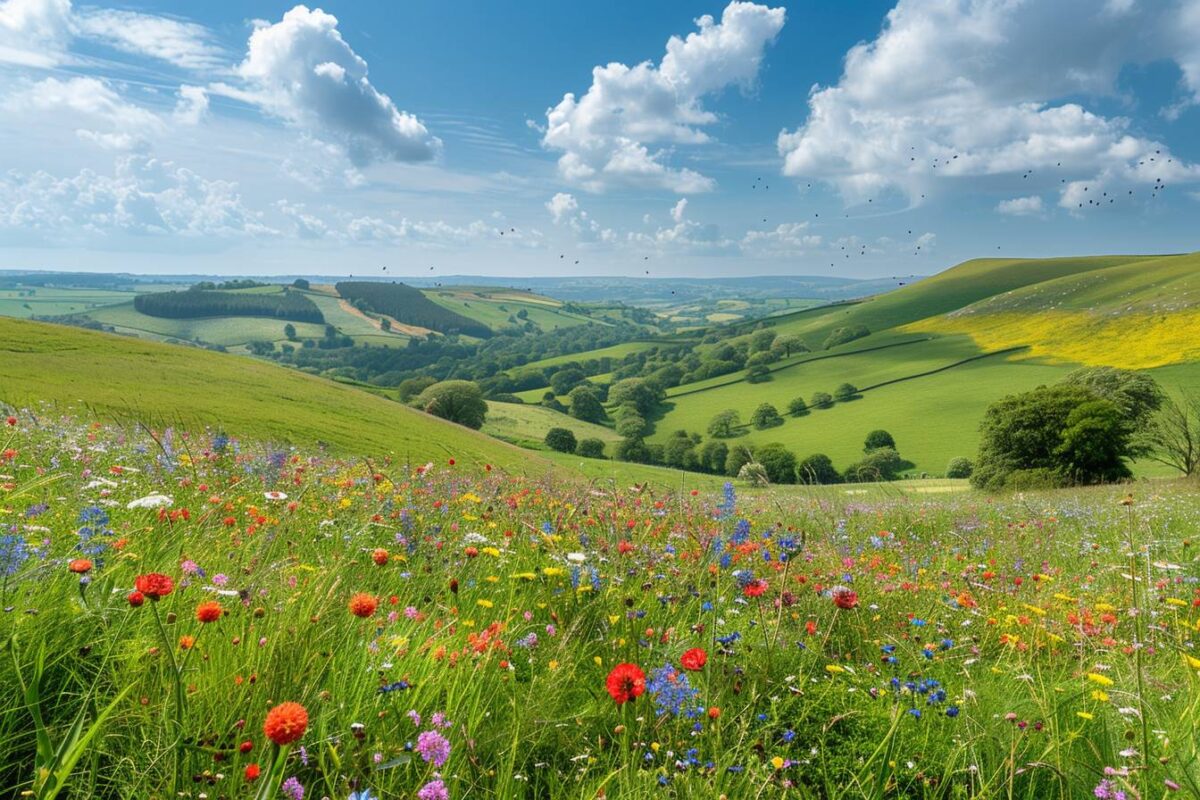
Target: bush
{"x": 821, "y": 400}
{"x": 411, "y": 387}
{"x": 712, "y": 456}
{"x": 778, "y": 461}
{"x": 758, "y": 374}
{"x": 845, "y": 392}
{"x": 817, "y": 469}
{"x": 633, "y": 449}
{"x": 738, "y": 456}
{"x": 766, "y": 416}
{"x": 590, "y": 448}
{"x": 585, "y": 404}
{"x": 877, "y": 439}
{"x": 844, "y": 335}
{"x": 754, "y": 473}
{"x": 797, "y": 407}
{"x": 631, "y": 425}
{"x": 959, "y": 468}
{"x": 724, "y": 424}
{"x": 457, "y": 401}
{"x": 560, "y": 439}
{"x": 879, "y": 465}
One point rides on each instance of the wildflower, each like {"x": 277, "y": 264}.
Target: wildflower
{"x": 10, "y": 421}
{"x": 672, "y": 692}
{"x": 362, "y": 604}
{"x": 154, "y": 585}
{"x": 379, "y": 556}
{"x": 1097, "y": 678}
{"x": 626, "y": 682}
{"x": 694, "y": 659}
{"x": 755, "y": 589}
{"x": 433, "y": 747}
{"x": 135, "y": 598}
{"x": 292, "y": 789}
{"x": 285, "y": 723}
{"x": 208, "y": 611}
{"x": 434, "y": 790}
{"x": 80, "y": 566}
{"x": 844, "y": 598}
{"x": 252, "y": 772}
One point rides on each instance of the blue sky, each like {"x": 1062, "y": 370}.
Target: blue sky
{"x": 546, "y": 138}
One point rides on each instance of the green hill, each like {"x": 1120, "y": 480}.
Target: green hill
{"x": 134, "y": 380}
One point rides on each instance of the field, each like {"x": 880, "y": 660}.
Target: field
{"x": 526, "y": 425}
{"x": 499, "y": 308}
{"x": 199, "y": 614}
{"x": 52, "y": 301}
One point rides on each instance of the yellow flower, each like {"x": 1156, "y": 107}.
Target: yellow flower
{"x": 777, "y": 762}
{"x": 1175, "y": 601}
{"x": 1084, "y": 715}
{"x": 834, "y": 669}
{"x": 1194, "y": 663}
{"x": 553, "y": 665}
{"x": 524, "y": 576}
{"x": 552, "y": 572}
{"x": 1097, "y": 678}
{"x": 1100, "y": 696}
{"x": 485, "y": 603}
{"x": 599, "y": 661}
{"x": 491, "y": 551}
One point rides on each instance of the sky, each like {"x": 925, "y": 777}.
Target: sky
{"x": 660, "y": 139}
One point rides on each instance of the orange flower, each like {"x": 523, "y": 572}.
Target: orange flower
{"x": 380, "y": 556}
{"x": 285, "y": 723}
{"x": 208, "y": 611}
{"x": 186, "y": 642}
{"x": 154, "y": 585}
{"x": 363, "y": 605}
{"x": 80, "y": 565}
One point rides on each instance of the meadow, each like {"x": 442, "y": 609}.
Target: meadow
{"x": 188, "y": 613}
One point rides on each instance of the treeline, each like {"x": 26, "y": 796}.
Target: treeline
{"x": 197, "y": 303}
{"x": 411, "y": 307}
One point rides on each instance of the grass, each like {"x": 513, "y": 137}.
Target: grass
{"x": 615, "y": 352}
{"x": 494, "y": 307}
{"x": 526, "y": 425}
{"x": 53, "y": 301}
{"x": 454, "y": 630}
{"x": 114, "y": 377}
{"x": 226, "y": 331}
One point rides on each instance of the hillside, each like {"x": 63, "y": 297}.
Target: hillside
{"x": 128, "y": 379}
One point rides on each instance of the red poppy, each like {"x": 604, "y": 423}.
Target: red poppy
{"x": 755, "y": 589}
{"x": 694, "y": 659}
{"x": 285, "y": 723}
{"x": 11, "y": 421}
{"x": 363, "y": 605}
{"x": 379, "y": 556}
{"x": 625, "y": 682}
{"x": 845, "y": 598}
{"x": 252, "y": 772}
{"x": 154, "y": 585}
{"x": 80, "y": 565}
{"x": 135, "y": 598}
{"x": 208, "y": 611}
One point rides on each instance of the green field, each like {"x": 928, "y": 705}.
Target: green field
{"x": 108, "y": 376}
{"x": 526, "y": 425}
{"x": 53, "y": 301}
{"x": 494, "y": 307}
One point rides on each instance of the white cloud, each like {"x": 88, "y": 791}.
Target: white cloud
{"x": 301, "y": 70}
{"x": 1021, "y": 206}
{"x": 955, "y": 88}
{"x": 562, "y": 205}
{"x": 143, "y": 196}
{"x": 99, "y": 114}
{"x": 786, "y": 239}
{"x": 680, "y": 209}
{"x": 192, "y": 105}
{"x": 605, "y": 136}
{"x": 565, "y": 210}
{"x": 685, "y": 234}
{"x": 34, "y": 33}
{"x": 184, "y": 44}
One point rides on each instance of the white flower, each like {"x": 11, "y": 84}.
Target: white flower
{"x": 155, "y": 500}
{"x": 576, "y": 558}
{"x": 275, "y": 495}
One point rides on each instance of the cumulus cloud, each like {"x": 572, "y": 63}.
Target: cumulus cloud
{"x": 562, "y": 206}
{"x": 606, "y": 135}
{"x": 564, "y": 210}
{"x": 99, "y": 114}
{"x": 786, "y": 239}
{"x": 34, "y": 33}
{"x": 301, "y": 70}
{"x": 957, "y": 88}
{"x": 192, "y": 105}
{"x": 143, "y": 196}
{"x": 1021, "y": 206}
{"x": 685, "y": 234}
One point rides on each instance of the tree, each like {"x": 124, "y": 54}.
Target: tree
{"x": 724, "y": 424}
{"x": 1173, "y": 437}
{"x": 643, "y": 395}
{"x": 590, "y": 448}
{"x": 778, "y": 461}
{"x": 761, "y": 340}
{"x": 1027, "y": 433}
{"x": 551, "y": 402}
{"x": 300, "y": 283}
{"x": 877, "y": 439}
{"x": 289, "y": 331}
{"x": 845, "y": 392}
{"x": 797, "y": 407}
{"x": 385, "y": 324}
{"x": 634, "y": 449}
{"x": 1136, "y": 396}
{"x": 585, "y": 404}
{"x": 713, "y": 455}
{"x": 959, "y": 467}
{"x": 560, "y": 439}
{"x": 680, "y": 451}
{"x": 566, "y": 379}
{"x": 738, "y": 456}
{"x": 790, "y": 344}
{"x": 844, "y": 335}
{"x": 758, "y": 374}
{"x": 878, "y": 465}
{"x": 631, "y": 424}
{"x": 821, "y": 400}
{"x": 457, "y": 401}
{"x": 817, "y": 469}
{"x": 765, "y": 416}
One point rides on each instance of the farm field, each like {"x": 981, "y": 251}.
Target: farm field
{"x": 526, "y": 425}
{"x": 494, "y": 307}
{"x": 348, "y": 625}
{"x": 50, "y": 300}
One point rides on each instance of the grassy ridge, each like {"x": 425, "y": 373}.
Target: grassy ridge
{"x": 160, "y": 384}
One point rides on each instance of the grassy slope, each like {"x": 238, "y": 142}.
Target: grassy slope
{"x": 164, "y": 384}
{"x": 47, "y": 301}
{"x": 527, "y": 424}
{"x": 484, "y": 305}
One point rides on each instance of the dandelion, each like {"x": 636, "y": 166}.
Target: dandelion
{"x": 285, "y": 723}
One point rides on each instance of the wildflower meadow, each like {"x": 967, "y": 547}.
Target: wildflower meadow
{"x": 187, "y": 614}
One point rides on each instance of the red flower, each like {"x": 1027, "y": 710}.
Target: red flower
{"x": 11, "y": 421}
{"x": 208, "y": 611}
{"x": 624, "y": 546}
{"x": 755, "y": 589}
{"x": 363, "y": 604}
{"x": 285, "y": 723}
{"x": 246, "y": 746}
{"x": 845, "y": 598}
{"x": 80, "y": 565}
{"x": 379, "y": 556}
{"x": 625, "y": 682}
{"x": 154, "y": 585}
{"x": 694, "y": 659}
{"x": 135, "y": 598}
{"x": 471, "y": 551}
{"x": 252, "y": 772}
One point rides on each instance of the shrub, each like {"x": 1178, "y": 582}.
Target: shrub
{"x": 845, "y": 392}
{"x": 758, "y": 374}
{"x": 846, "y": 334}
{"x": 959, "y": 467}
{"x": 754, "y": 473}
{"x": 457, "y": 401}
{"x": 560, "y": 439}
{"x": 877, "y": 439}
{"x": 738, "y": 456}
{"x": 766, "y": 416}
{"x": 585, "y": 404}
{"x": 590, "y": 448}
{"x": 817, "y": 469}
{"x": 878, "y": 465}
{"x": 631, "y": 424}
{"x": 797, "y": 407}
{"x": 778, "y": 461}
{"x": 724, "y": 424}
{"x": 633, "y": 449}
{"x": 821, "y": 400}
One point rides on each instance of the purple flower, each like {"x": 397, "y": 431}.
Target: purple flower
{"x": 434, "y": 790}
{"x": 292, "y": 788}
{"x": 433, "y": 747}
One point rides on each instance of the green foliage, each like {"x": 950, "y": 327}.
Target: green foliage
{"x": 410, "y": 306}
{"x": 766, "y": 416}
{"x": 713, "y": 455}
{"x": 1094, "y": 443}
{"x": 797, "y": 407}
{"x": 877, "y": 439}
{"x": 817, "y": 469}
{"x": 560, "y": 439}
{"x": 1136, "y": 395}
{"x": 301, "y": 283}
{"x": 778, "y": 461}
{"x": 631, "y": 424}
{"x": 564, "y": 380}
{"x": 738, "y": 456}
{"x": 960, "y": 467}
{"x": 642, "y": 395}
{"x": 457, "y": 401}
{"x": 633, "y": 448}
{"x": 680, "y": 451}
{"x": 590, "y": 448}
{"x": 844, "y": 335}
{"x": 758, "y": 374}
{"x": 724, "y": 424}
{"x": 584, "y": 404}
{"x": 882, "y": 464}
{"x": 821, "y": 400}
{"x": 196, "y": 303}
{"x": 845, "y": 392}
{"x": 411, "y": 387}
